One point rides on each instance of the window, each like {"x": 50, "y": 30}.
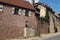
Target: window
{"x": 26, "y": 24}
{"x": 26, "y": 13}
{"x": 15, "y": 10}
{"x": 1, "y": 7}
{"x": 29, "y": 13}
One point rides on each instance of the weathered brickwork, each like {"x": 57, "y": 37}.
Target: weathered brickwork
{"x": 42, "y": 25}
{"x": 12, "y": 26}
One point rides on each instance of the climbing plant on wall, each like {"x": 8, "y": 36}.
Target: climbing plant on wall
{"x": 46, "y": 18}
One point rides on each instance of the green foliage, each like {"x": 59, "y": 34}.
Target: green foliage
{"x": 46, "y": 18}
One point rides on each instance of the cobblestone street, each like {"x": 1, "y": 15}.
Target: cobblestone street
{"x": 54, "y": 36}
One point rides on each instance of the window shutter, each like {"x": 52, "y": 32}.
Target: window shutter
{"x": 13, "y": 9}
{"x": 20, "y": 11}
{"x": 24, "y": 12}
{"x": 1, "y": 10}
{"x": 29, "y": 13}
{"x": 1, "y": 7}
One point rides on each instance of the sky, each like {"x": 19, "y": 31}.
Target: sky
{"x": 35, "y": 1}
{"x": 54, "y": 4}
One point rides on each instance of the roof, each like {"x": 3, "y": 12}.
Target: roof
{"x": 59, "y": 14}
{"x": 39, "y": 3}
{"x": 44, "y": 5}
{"x": 19, "y": 3}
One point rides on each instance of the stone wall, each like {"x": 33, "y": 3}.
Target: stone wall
{"x": 51, "y": 22}
{"x": 57, "y": 25}
{"x": 30, "y": 32}
{"x": 42, "y": 25}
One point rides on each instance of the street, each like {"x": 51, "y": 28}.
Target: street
{"x": 48, "y": 37}
{"x": 57, "y": 37}
{"x": 53, "y": 37}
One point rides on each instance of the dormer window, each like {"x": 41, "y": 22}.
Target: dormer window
{"x": 1, "y": 7}
{"x": 16, "y": 11}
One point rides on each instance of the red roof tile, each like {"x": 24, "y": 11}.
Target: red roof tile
{"x": 19, "y": 3}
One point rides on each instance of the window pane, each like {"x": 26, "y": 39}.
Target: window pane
{"x": 23, "y": 12}
{"x": 1, "y": 10}
{"x": 29, "y": 13}
{"x": 1, "y": 6}
{"x": 26, "y": 13}
{"x": 16, "y": 10}
{"x": 20, "y": 11}
{"x": 13, "y": 9}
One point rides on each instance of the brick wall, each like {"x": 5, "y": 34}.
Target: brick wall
{"x": 42, "y": 25}
{"x": 12, "y": 26}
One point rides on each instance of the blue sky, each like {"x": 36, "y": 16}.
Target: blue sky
{"x": 54, "y": 4}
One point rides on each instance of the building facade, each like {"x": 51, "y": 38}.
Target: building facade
{"x": 51, "y": 20}
{"x": 57, "y": 21}
{"x": 46, "y": 18}
{"x": 40, "y": 15}
{"x": 15, "y": 17}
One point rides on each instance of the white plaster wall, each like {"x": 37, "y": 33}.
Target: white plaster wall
{"x": 42, "y": 11}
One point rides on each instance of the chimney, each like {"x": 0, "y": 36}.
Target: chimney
{"x": 33, "y": 2}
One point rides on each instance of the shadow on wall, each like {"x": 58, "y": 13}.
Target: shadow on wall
{"x": 56, "y": 30}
